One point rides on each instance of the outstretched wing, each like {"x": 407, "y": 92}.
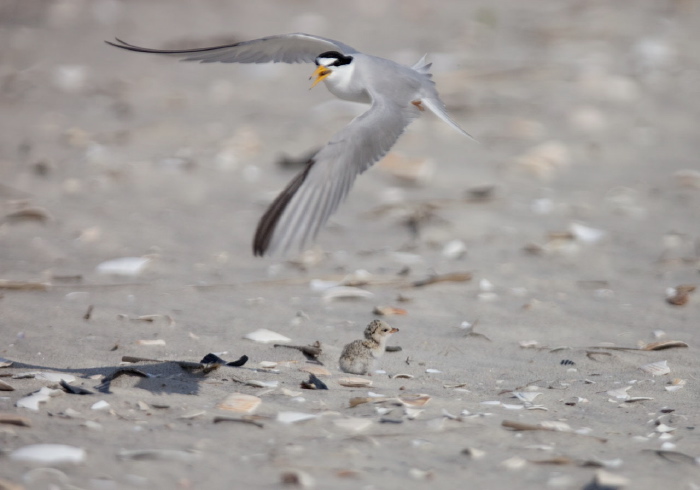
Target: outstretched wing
{"x": 303, "y": 207}
{"x": 285, "y": 48}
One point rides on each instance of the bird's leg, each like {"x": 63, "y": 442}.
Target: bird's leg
{"x": 418, "y": 103}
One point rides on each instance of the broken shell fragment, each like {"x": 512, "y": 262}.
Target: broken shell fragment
{"x": 417, "y": 400}
{"x": 353, "y": 424}
{"x": 658, "y": 368}
{"x": 240, "y": 402}
{"x": 316, "y": 370}
{"x": 266, "y": 336}
{"x": 294, "y": 417}
{"x": 31, "y": 402}
{"x": 388, "y": 311}
{"x": 402, "y": 376}
{"x": 679, "y": 295}
{"x": 355, "y": 382}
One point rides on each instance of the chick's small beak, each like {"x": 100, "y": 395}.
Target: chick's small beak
{"x": 320, "y": 73}
{"x": 393, "y": 330}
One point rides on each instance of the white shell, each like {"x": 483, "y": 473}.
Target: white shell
{"x": 49, "y": 454}
{"x": 432, "y": 371}
{"x": 32, "y": 401}
{"x": 355, "y": 382}
{"x": 239, "y": 402}
{"x": 415, "y": 400}
{"x": 402, "y": 376}
{"x": 266, "y": 336}
{"x": 658, "y": 368}
{"x": 620, "y": 393}
{"x": 586, "y": 234}
{"x": 526, "y": 396}
{"x": 663, "y": 428}
{"x": 353, "y": 424}
{"x": 262, "y": 384}
{"x": 294, "y": 417}
{"x": 101, "y": 405}
{"x": 125, "y": 266}
{"x": 151, "y": 342}
{"x": 345, "y": 292}
{"x": 454, "y": 249}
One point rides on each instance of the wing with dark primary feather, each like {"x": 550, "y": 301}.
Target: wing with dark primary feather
{"x": 298, "y": 213}
{"x": 285, "y": 48}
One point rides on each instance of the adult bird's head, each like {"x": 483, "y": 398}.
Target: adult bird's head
{"x": 329, "y": 63}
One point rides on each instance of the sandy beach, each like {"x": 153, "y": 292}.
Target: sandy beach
{"x": 541, "y": 277}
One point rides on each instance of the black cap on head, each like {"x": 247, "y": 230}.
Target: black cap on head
{"x": 340, "y": 58}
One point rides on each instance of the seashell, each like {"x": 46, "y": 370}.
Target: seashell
{"x": 514, "y": 463}
{"x": 315, "y": 370}
{"x": 262, "y": 384}
{"x": 49, "y": 454}
{"x": 125, "y": 266}
{"x": 239, "y": 402}
{"x": 619, "y": 393}
{"x": 372, "y": 394}
{"x": 32, "y": 401}
{"x": 268, "y": 364}
{"x": 294, "y": 417}
{"x": 454, "y": 249}
{"x": 319, "y": 285}
{"x": 658, "y": 368}
{"x": 6, "y": 387}
{"x": 665, "y": 344}
{"x": 388, "y": 311}
{"x": 151, "y": 342}
{"x": 586, "y": 234}
{"x": 526, "y": 396}
{"x": 12, "y": 419}
{"x": 528, "y": 344}
{"x": 291, "y": 393}
{"x": 159, "y": 455}
{"x": 605, "y": 479}
{"x": 101, "y": 405}
{"x": 355, "y": 382}
{"x": 663, "y": 428}
{"x": 512, "y": 407}
{"x": 679, "y": 295}
{"x": 266, "y": 336}
{"x": 433, "y": 371}
{"x": 402, "y": 376}
{"x": 412, "y": 413}
{"x": 417, "y": 400}
{"x": 555, "y": 425}
{"x": 297, "y": 478}
{"x": 353, "y": 424}
{"x": 345, "y": 292}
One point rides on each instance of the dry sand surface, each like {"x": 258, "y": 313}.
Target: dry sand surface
{"x": 575, "y": 213}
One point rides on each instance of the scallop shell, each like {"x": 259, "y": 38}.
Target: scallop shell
{"x": 355, "y": 382}
{"x": 353, "y": 424}
{"x": 265, "y": 336}
{"x": 240, "y": 402}
{"x": 417, "y": 400}
{"x": 316, "y": 370}
{"x": 657, "y": 368}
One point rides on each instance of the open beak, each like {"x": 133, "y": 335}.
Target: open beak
{"x": 320, "y": 73}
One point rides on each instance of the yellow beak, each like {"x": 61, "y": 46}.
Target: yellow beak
{"x": 320, "y": 73}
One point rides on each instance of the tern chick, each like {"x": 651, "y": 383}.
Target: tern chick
{"x": 358, "y": 357}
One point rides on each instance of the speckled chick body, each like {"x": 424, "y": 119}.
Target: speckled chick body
{"x": 358, "y": 357}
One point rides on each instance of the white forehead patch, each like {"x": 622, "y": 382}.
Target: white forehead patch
{"x": 326, "y": 61}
